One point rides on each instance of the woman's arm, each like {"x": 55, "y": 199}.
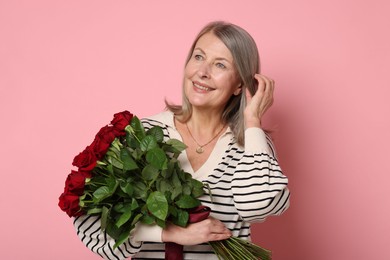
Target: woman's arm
{"x": 90, "y": 233}
{"x": 258, "y": 185}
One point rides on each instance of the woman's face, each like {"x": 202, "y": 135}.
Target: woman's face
{"x": 210, "y": 77}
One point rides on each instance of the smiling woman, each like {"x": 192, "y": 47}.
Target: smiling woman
{"x": 224, "y": 100}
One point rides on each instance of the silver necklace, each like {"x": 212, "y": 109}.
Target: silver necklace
{"x": 200, "y": 149}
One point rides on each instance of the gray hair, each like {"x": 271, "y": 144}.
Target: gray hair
{"x": 247, "y": 63}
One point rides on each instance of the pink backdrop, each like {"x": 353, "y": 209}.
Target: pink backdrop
{"x": 67, "y": 66}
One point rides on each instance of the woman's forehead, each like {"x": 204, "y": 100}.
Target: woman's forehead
{"x": 210, "y": 44}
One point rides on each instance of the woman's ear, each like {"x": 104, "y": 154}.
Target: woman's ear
{"x": 238, "y": 90}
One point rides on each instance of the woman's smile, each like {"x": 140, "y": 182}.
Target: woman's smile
{"x": 200, "y": 87}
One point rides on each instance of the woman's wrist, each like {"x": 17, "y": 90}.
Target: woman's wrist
{"x": 164, "y": 236}
{"x": 252, "y": 123}
{"x": 168, "y": 232}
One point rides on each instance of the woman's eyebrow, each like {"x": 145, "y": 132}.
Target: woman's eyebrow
{"x": 218, "y": 58}
{"x": 199, "y": 49}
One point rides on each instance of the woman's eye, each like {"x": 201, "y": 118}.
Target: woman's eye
{"x": 198, "y": 57}
{"x": 220, "y": 65}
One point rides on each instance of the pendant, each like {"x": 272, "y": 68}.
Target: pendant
{"x": 199, "y": 149}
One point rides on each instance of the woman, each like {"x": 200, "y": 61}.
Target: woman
{"x": 224, "y": 100}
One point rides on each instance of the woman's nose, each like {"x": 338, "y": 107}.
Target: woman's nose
{"x": 204, "y": 70}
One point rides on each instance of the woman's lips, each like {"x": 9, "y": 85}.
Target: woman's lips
{"x": 201, "y": 86}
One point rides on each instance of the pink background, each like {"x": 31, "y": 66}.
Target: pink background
{"x": 67, "y": 66}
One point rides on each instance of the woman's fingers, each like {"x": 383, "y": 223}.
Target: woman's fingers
{"x": 265, "y": 86}
{"x": 261, "y": 80}
{"x": 212, "y": 228}
{"x": 259, "y": 103}
{"x": 204, "y": 231}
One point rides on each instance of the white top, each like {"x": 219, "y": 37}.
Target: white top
{"x": 247, "y": 185}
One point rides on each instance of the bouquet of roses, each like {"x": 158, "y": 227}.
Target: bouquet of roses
{"x": 129, "y": 175}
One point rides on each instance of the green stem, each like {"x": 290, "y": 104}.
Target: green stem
{"x": 97, "y": 184}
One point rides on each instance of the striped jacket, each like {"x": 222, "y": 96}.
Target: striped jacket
{"x": 247, "y": 185}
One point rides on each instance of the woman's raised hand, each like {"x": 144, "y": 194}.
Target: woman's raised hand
{"x": 258, "y": 104}
{"x": 204, "y": 231}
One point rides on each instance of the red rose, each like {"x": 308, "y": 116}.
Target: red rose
{"x": 102, "y": 142}
{"x": 121, "y": 120}
{"x": 86, "y": 160}
{"x": 75, "y": 182}
{"x": 70, "y": 204}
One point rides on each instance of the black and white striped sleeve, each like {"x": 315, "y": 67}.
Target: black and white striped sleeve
{"x": 90, "y": 233}
{"x": 258, "y": 185}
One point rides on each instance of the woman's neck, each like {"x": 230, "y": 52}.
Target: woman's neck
{"x": 205, "y": 123}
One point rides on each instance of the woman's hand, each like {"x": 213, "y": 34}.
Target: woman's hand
{"x": 204, "y": 231}
{"x": 258, "y": 104}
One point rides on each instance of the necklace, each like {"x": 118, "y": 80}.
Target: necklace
{"x": 199, "y": 149}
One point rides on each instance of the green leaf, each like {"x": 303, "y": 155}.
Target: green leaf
{"x": 187, "y": 202}
{"x": 130, "y": 139}
{"x": 164, "y": 186}
{"x": 150, "y": 172}
{"x": 170, "y": 168}
{"x": 175, "y": 180}
{"x": 177, "y": 144}
{"x": 172, "y": 210}
{"x": 112, "y": 184}
{"x": 176, "y": 191}
{"x": 127, "y": 188}
{"x": 169, "y": 149}
{"x": 157, "y": 158}
{"x": 137, "y": 128}
{"x": 182, "y": 218}
{"x": 148, "y": 143}
{"x": 112, "y": 153}
{"x": 160, "y": 223}
{"x": 110, "y": 168}
{"x": 197, "y": 188}
{"x": 81, "y": 199}
{"x": 140, "y": 190}
{"x": 157, "y": 205}
{"x": 157, "y": 132}
{"x": 96, "y": 180}
{"x": 124, "y": 217}
{"x": 117, "y": 163}
{"x": 94, "y": 211}
{"x": 136, "y": 218}
{"x": 186, "y": 189}
{"x": 119, "y": 207}
{"x": 124, "y": 235}
{"x": 147, "y": 219}
{"x": 112, "y": 230}
{"x": 137, "y": 154}
{"x": 134, "y": 205}
{"x": 104, "y": 217}
{"x": 128, "y": 162}
{"x": 101, "y": 193}
{"x": 182, "y": 174}
{"x": 168, "y": 195}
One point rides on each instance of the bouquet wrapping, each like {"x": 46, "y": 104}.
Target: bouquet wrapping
{"x": 129, "y": 175}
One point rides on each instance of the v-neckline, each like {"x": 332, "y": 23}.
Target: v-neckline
{"x": 211, "y": 162}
